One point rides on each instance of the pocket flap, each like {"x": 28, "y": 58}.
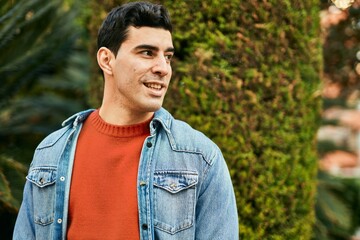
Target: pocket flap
{"x": 175, "y": 181}
{"x": 42, "y": 177}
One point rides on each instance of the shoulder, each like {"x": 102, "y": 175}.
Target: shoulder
{"x": 51, "y": 147}
{"x": 70, "y": 123}
{"x": 187, "y": 134}
{"x": 53, "y": 138}
{"x": 183, "y": 137}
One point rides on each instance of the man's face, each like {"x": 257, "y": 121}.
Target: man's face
{"x": 142, "y": 70}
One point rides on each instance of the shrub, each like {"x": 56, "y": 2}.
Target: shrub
{"x": 246, "y": 73}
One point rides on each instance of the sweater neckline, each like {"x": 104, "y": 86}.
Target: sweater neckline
{"x": 119, "y": 131}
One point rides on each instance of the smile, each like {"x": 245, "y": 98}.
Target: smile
{"x": 153, "y": 86}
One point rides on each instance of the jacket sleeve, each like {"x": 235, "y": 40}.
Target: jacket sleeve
{"x": 24, "y": 226}
{"x": 216, "y": 212}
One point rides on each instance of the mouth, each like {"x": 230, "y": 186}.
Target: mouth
{"x": 154, "y": 86}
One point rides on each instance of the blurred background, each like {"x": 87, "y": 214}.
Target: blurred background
{"x": 274, "y": 83}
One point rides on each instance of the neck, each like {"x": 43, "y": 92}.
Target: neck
{"x": 119, "y": 116}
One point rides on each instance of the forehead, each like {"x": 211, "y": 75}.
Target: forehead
{"x": 158, "y": 37}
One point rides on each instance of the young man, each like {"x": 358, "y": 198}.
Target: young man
{"x": 129, "y": 170}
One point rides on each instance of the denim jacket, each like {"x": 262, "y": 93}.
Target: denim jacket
{"x": 184, "y": 187}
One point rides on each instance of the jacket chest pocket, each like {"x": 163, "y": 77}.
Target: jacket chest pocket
{"x": 43, "y": 181}
{"x": 174, "y": 200}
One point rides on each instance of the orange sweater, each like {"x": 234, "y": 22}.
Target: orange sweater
{"x": 103, "y": 192}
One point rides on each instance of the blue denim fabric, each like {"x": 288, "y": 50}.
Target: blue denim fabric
{"x": 184, "y": 187}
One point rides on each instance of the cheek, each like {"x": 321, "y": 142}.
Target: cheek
{"x": 170, "y": 73}
{"x": 139, "y": 67}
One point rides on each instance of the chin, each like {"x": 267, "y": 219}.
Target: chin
{"x": 153, "y": 107}
{"x": 150, "y": 105}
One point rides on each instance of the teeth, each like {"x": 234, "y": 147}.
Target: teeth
{"x": 153, "y": 85}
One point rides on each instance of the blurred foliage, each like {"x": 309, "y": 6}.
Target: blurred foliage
{"x": 337, "y": 205}
{"x": 334, "y": 102}
{"x": 247, "y": 74}
{"x": 342, "y": 51}
{"x": 337, "y": 208}
{"x": 44, "y": 72}
{"x": 12, "y": 176}
{"x": 327, "y": 146}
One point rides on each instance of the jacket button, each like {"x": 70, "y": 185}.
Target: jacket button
{"x": 144, "y": 226}
{"x": 149, "y": 144}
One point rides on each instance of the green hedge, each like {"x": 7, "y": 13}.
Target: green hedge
{"x": 246, "y": 73}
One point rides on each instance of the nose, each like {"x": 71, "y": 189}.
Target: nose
{"x": 161, "y": 66}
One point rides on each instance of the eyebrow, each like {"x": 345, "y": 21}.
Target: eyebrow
{"x": 151, "y": 47}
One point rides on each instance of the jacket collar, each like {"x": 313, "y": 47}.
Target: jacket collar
{"x": 162, "y": 117}
{"x": 77, "y": 118}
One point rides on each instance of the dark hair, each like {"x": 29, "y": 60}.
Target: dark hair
{"x": 113, "y": 31}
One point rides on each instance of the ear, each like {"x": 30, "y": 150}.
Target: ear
{"x": 104, "y": 57}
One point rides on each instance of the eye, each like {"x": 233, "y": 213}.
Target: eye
{"x": 147, "y": 53}
{"x": 169, "y": 56}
